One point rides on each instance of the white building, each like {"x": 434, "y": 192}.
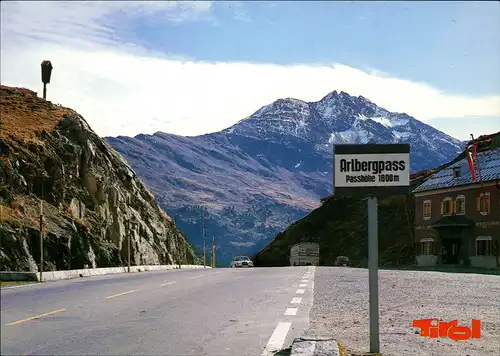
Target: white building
{"x": 304, "y": 254}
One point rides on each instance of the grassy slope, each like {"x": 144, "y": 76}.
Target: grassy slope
{"x": 35, "y": 153}
{"x": 340, "y": 227}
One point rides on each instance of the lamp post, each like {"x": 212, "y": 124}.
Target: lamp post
{"x": 204, "y": 246}
{"x": 46, "y": 72}
{"x": 41, "y": 238}
{"x": 213, "y": 251}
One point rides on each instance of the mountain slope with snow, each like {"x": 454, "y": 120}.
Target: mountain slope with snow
{"x": 249, "y": 181}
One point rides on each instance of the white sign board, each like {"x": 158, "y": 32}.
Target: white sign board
{"x": 361, "y": 170}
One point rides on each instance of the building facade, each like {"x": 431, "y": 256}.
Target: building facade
{"x": 457, "y": 219}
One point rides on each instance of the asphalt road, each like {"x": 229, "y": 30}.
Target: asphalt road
{"x": 181, "y": 312}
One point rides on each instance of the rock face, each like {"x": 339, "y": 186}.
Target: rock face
{"x": 92, "y": 200}
{"x": 248, "y": 182}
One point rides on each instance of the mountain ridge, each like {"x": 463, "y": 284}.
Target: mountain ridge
{"x": 270, "y": 168}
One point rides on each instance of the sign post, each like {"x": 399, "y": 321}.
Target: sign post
{"x": 373, "y": 273}
{"x": 371, "y": 171}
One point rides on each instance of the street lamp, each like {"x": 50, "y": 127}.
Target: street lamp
{"x": 46, "y": 72}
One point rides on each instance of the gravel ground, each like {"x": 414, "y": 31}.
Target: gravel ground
{"x": 340, "y": 310}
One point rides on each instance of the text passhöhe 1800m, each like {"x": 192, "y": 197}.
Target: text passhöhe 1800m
{"x": 374, "y": 170}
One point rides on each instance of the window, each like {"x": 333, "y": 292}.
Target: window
{"x": 483, "y": 203}
{"x": 456, "y": 172}
{"x": 427, "y": 247}
{"x": 427, "y": 209}
{"x": 484, "y": 246}
{"x": 446, "y": 206}
{"x": 460, "y": 205}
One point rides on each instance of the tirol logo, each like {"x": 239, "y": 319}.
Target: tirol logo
{"x": 434, "y": 328}
{"x": 372, "y": 167}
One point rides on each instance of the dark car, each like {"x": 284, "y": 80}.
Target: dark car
{"x": 342, "y": 261}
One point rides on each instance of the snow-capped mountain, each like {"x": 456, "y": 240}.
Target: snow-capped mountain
{"x": 339, "y": 118}
{"x": 248, "y": 182}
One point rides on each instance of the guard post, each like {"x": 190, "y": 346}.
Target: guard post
{"x": 370, "y": 171}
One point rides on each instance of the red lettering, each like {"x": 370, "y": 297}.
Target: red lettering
{"x": 445, "y": 326}
{"x": 459, "y": 333}
{"x": 434, "y": 332}
{"x": 476, "y": 329}
{"x": 424, "y": 325}
{"x": 434, "y": 328}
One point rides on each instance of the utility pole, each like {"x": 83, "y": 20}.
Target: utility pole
{"x": 213, "y": 251}
{"x": 128, "y": 246}
{"x": 41, "y": 236}
{"x": 204, "y": 247}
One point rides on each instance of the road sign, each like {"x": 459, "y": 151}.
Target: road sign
{"x": 369, "y": 171}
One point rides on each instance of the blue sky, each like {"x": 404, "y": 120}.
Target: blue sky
{"x": 207, "y": 65}
{"x": 451, "y": 45}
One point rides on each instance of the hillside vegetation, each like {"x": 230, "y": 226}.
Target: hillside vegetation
{"x": 340, "y": 227}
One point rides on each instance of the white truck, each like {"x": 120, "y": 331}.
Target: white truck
{"x": 304, "y": 254}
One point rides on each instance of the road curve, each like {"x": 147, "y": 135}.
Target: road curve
{"x": 210, "y": 312}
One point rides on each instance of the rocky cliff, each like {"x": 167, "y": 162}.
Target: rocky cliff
{"x": 92, "y": 200}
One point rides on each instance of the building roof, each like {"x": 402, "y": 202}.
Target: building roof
{"x": 489, "y": 164}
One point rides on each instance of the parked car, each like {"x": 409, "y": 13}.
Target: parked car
{"x": 241, "y": 261}
{"x": 342, "y": 261}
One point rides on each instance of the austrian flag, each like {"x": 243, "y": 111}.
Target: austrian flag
{"x": 471, "y": 154}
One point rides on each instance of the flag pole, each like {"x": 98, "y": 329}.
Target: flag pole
{"x": 474, "y": 144}
{"x": 476, "y": 159}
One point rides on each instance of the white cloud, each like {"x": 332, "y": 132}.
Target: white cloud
{"x": 122, "y": 89}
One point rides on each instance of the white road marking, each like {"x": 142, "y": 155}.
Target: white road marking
{"x": 300, "y": 291}
{"x": 304, "y": 281}
{"x": 277, "y": 339}
{"x": 303, "y": 285}
{"x": 201, "y": 275}
{"x": 291, "y": 311}
{"x": 166, "y": 284}
{"x": 296, "y": 300}
{"x": 120, "y": 294}
{"x": 216, "y": 272}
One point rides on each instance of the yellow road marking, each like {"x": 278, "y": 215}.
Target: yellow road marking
{"x": 117, "y": 295}
{"x": 36, "y": 317}
{"x": 166, "y": 284}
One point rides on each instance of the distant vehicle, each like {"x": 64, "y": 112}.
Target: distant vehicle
{"x": 304, "y": 254}
{"x": 241, "y": 261}
{"x": 342, "y": 261}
